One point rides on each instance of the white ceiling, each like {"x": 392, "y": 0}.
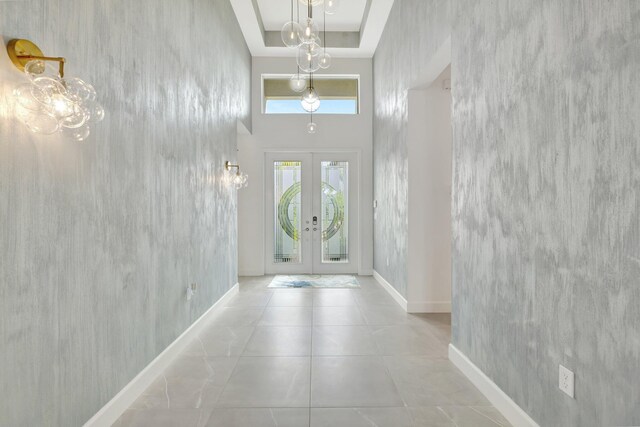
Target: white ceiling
{"x": 361, "y": 21}
{"x": 275, "y": 13}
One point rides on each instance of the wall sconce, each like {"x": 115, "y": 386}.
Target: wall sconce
{"x": 51, "y": 103}
{"x": 238, "y": 179}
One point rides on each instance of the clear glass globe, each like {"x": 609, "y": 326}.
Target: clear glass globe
{"x": 308, "y": 32}
{"x": 38, "y": 122}
{"x": 77, "y": 134}
{"x": 310, "y": 95}
{"x": 311, "y": 127}
{"x": 308, "y": 58}
{"x": 291, "y": 34}
{"x": 77, "y": 119}
{"x": 310, "y": 107}
{"x": 25, "y": 98}
{"x": 331, "y": 6}
{"x": 297, "y": 83}
{"x": 37, "y": 68}
{"x": 324, "y": 60}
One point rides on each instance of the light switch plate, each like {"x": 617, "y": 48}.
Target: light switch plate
{"x": 566, "y": 381}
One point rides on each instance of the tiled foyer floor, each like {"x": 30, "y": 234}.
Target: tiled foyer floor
{"x": 321, "y": 357}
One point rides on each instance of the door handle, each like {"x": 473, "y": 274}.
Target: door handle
{"x": 306, "y": 229}
{"x": 314, "y": 229}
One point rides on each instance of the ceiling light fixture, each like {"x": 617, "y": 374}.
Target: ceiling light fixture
{"x": 237, "y": 179}
{"x": 312, "y": 52}
{"x": 50, "y": 102}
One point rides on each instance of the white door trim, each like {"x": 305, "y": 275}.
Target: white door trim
{"x": 355, "y": 260}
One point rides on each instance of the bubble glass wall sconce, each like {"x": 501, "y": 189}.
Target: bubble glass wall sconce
{"x": 237, "y": 178}
{"x": 50, "y": 102}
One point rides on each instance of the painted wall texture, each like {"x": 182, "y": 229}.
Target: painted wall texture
{"x": 414, "y": 32}
{"x": 98, "y": 240}
{"x": 546, "y": 192}
{"x": 546, "y": 203}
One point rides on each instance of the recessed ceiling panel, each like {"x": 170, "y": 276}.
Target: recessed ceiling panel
{"x": 349, "y": 16}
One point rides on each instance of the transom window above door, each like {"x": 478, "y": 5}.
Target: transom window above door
{"x": 339, "y": 94}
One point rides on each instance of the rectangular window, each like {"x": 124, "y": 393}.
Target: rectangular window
{"x": 338, "y": 95}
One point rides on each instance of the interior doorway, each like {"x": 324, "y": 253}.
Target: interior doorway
{"x": 311, "y": 207}
{"x": 430, "y": 148}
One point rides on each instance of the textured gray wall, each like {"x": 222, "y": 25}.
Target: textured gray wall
{"x": 99, "y": 239}
{"x": 546, "y": 192}
{"x": 414, "y": 32}
{"x": 546, "y": 211}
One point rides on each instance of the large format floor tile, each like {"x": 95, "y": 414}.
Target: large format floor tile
{"x": 352, "y": 381}
{"x": 343, "y": 341}
{"x": 407, "y": 340}
{"x": 163, "y": 418}
{"x": 238, "y": 316}
{"x": 259, "y": 417}
{"x": 250, "y": 299}
{"x": 221, "y": 341}
{"x": 279, "y": 341}
{"x": 424, "y": 381}
{"x": 334, "y": 298}
{"x": 270, "y": 382}
{"x": 190, "y": 382}
{"x": 291, "y": 298}
{"x": 361, "y": 417}
{"x": 286, "y": 316}
{"x": 314, "y": 357}
{"x": 337, "y": 316}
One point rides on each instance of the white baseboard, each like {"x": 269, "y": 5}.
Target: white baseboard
{"x": 429, "y": 307}
{"x": 397, "y": 296}
{"x": 413, "y": 306}
{"x": 498, "y": 398}
{"x": 250, "y": 273}
{"x": 110, "y": 412}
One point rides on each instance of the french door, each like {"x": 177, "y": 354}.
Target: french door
{"x": 312, "y": 213}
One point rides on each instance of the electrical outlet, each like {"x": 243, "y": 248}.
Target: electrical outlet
{"x": 191, "y": 290}
{"x": 566, "y": 381}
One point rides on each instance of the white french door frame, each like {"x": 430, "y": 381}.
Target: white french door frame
{"x": 311, "y": 188}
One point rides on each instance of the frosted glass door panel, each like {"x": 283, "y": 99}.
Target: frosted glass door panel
{"x": 287, "y": 212}
{"x": 334, "y": 208}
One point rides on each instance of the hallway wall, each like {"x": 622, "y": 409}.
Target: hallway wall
{"x": 98, "y": 240}
{"x": 546, "y": 203}
{"x": 546, "y": 193}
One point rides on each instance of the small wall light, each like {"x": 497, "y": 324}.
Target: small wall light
{"x": 49, "y": 102}
{"x": 237, "y": 178}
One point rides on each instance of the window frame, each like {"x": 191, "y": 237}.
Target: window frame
{"x": 263, "y": 100}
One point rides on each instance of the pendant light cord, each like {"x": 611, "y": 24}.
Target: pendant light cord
{"x": 324, "y": 32}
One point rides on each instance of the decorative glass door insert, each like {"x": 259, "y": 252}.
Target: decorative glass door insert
{"x": 288, "y": 211}
{"x": 334, "y": 210}
{"x": 310, "y": 205}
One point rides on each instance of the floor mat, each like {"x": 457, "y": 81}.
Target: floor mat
{"x": 314, "y": 281}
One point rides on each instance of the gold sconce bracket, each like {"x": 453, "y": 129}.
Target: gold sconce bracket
{"x": 228, "y": 166}
{"x": 22, "y": 51}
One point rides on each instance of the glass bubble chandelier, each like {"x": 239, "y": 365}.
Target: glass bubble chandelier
{"x": 49, "y": 102}
{"x": 311, "y": 56}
